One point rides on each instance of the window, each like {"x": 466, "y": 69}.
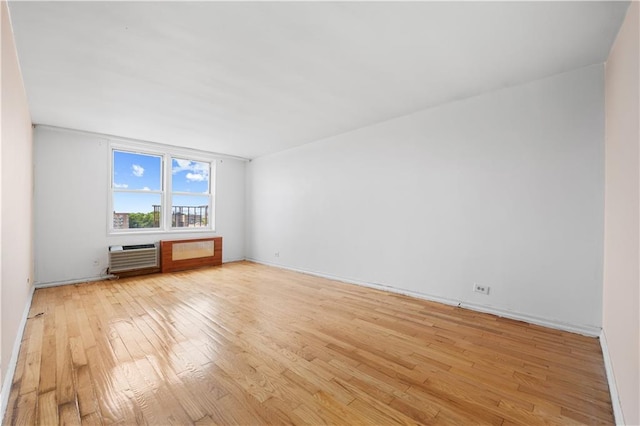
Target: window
{"x": 157, "y": 191}
{"x": 190, "y": 193}
{"x": 137, "y": 190}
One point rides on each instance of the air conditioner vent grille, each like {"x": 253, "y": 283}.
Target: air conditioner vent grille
{"x": 128, "y": 258}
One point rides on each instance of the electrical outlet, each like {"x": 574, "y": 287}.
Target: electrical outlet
{"x": 277, "y": 254}
{"x": 96, "y": 262}
{"x": 481, "y": 288}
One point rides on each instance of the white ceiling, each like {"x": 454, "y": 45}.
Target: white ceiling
{"x": 248, "y": 79}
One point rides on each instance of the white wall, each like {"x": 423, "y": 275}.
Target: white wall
{"x": 504, "y": 189}
{"x": 16, "y": 262}
{"x": 71, "y": 213}
{"x": 621, "y": 296}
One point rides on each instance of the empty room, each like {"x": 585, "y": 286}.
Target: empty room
{"x": 320, "y": 213}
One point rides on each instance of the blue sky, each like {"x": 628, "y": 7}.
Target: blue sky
{"x": 137, "y": 171}
{"x": 133, "y": 171}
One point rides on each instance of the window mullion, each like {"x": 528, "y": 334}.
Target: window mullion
{"x": 166, "y": 187}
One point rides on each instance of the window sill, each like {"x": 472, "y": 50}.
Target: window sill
{"x": 161, "y": 232}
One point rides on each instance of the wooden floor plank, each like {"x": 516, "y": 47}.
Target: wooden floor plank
{"x": 47, "y": 409}
{"x": 249, "y": 344}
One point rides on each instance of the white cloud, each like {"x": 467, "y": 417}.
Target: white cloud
{"x": 146, "y": 188}
{"x": 137, "y": 170}
{"x": 182, "y": 165}
{"x": 196, "y": 177}
{"x": 199, "y": 170}
{"x": 120, "y": 185}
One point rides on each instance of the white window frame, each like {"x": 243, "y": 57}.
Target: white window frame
{"x": 167, "y": 154}
{"x": 170, "y": 193}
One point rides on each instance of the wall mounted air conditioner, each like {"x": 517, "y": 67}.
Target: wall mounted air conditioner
{"x": 133, "y": 257}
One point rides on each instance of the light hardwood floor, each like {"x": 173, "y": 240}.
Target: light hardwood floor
{"x": 249, "y": 344}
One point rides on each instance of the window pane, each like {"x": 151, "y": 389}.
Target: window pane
{"x": 136, "y": 210}
{"x": 189, "y": 176}
{"x": 137, "y": 171}
{"x": 190, "y": 211}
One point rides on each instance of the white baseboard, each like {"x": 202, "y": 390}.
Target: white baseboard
{"x": 611, "y": 378}
{"x": 585, "y": 330}
{"x": 239, "y": 259}
{"x": 99, "y": 278}
{"x": 73, "y": 281}
{"x": 13, "y": 361}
